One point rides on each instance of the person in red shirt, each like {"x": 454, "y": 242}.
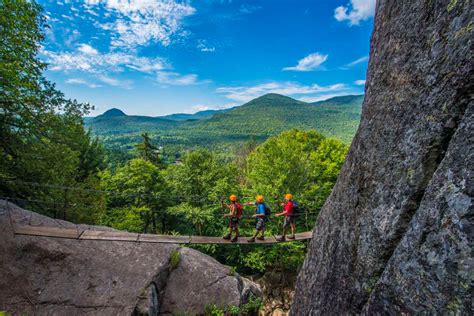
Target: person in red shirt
{"x": 288, "y": 207}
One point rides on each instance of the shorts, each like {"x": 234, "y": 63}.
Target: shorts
{"x": 288, "y": 220}
{"x": 234, "y": 222}
{"x": 259, "y": 223}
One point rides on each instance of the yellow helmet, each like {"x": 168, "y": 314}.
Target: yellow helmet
{"x": 288, "y": 196}
{"x": 233, "y": 198}
{"x": 259, "y": 198}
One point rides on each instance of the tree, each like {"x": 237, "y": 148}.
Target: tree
{"x": 42, "y": 137}
{"x": 305, "y": 164}
{"x": 148, "y": 151}
{"x": 137, "y": 190}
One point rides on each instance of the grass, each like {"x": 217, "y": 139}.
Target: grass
{"x": 175, "y": 258}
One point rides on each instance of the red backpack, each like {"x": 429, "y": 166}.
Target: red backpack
{"x": 240, "y": 209}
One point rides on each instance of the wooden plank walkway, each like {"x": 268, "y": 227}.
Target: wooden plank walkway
{"x": 79, "y": 234}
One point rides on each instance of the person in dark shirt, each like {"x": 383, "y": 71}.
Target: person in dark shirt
{"x": 288, "y": 207}
{"x": 235, "y": 212}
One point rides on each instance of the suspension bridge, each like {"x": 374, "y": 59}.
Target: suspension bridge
{"x": 87, "y": 232}
{"x": 84, "y": 234}
{"x": 28, "y": 227}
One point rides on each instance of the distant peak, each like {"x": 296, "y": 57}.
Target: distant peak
{"x": 114, "y": 112}
{"x": 273, "y": 97}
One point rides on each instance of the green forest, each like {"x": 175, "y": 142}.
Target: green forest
{"x": 225, "y": 130}
{"x": 56, "y": 164}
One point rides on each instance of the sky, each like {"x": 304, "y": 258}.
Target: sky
{"x": 157, "y": 57}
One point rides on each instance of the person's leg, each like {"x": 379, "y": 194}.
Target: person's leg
{"x": 257, "y": 230}
{"x": 229, "y": 235}
{"x": 236, "y": 228}
{"x": 292, "y": 225}
{"x": 285, "y": 226}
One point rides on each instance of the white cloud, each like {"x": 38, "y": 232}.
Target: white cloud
{"x": 247, "y": 93}
{"x": 176, "y": 79}
{"x": 359, "y": 82}
{"x": 82, "y": 82}
{"x": 205, "y": 107}
{"x": 201, "y": 107}
{"x": 88, "y": 59}
{"x": 204, "y": 47}
{"x": 115, "y": 82}
{"x": 87, "y": 49}
{"x": 355, "y": 11}
{"x": 309, "y": 63}
{"x": 322, "y": 97}
{"x": 142, "y": 22}
{"x": 249, "y": 8}
{"x": 358, "y": 61}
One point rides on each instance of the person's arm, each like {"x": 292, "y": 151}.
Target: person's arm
{"x": 229, "y": 207}
{"x": 285, "y": 210}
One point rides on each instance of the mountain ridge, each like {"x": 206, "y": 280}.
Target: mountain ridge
{"x": 259, "y": 119}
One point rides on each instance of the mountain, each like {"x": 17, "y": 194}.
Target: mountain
{"x": 113, "y": 113}
{"x": 196, "y": 116}
{"x": 345, "y": 100}
{"x": 273, "y": 113}
{"x": 258, "y": 119}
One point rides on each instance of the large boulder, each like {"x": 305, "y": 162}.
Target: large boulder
{"x": 49, "y": 276}
{"x": 395, "y": 236}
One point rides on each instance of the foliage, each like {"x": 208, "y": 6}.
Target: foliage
{"x": 213, "y": 310}
{"x": 137, "y": 192}
{"x": 43, "y": 139}
{"x": 250, "y": 308}
{"x": 175, "y": 258}
{"x": 305, "y": 164}
{"x": 148, "y": 151}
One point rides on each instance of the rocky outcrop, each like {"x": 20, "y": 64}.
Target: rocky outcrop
{"x": 278, "y": 290}
{"x": 395, "y": 236}
{"x": 48, "y": 276}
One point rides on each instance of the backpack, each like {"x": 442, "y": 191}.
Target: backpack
{"x": 268, "y": 211}
{"x": 240, "y": 210}
{"x": 296, "y": 209}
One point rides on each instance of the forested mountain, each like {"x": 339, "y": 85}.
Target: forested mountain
{"x": 273, "y": 113}
{"x": 196, "y": 116}
{"x": 256, "y": 120}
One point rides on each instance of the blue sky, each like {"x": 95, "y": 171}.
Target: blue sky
{"x": 156, "y": 57}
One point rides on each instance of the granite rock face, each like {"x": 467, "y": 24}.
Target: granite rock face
{"x": 49, "y": 276}
{"x": 396, "y": 234}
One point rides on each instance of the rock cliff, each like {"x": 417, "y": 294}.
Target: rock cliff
{"x": 48, "y": 276}
{"x": 396, "y": 234}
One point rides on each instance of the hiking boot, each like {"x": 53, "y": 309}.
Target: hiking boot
{"x": 291, "y": 237}
{"x": 235, "y": 239}
{"x": 261, "y": 238}
{"x": 251, "y": 239}
{"x": 226, "y": 237}
{"x": 281, "y": 239}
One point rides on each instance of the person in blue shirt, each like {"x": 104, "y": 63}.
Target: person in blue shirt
{"x": 259, "y": 218}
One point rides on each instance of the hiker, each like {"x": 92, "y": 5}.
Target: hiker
{"x": 234, "y": 216}
{"x": 288, "y": 208}
{"x": 261, "y": 211}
